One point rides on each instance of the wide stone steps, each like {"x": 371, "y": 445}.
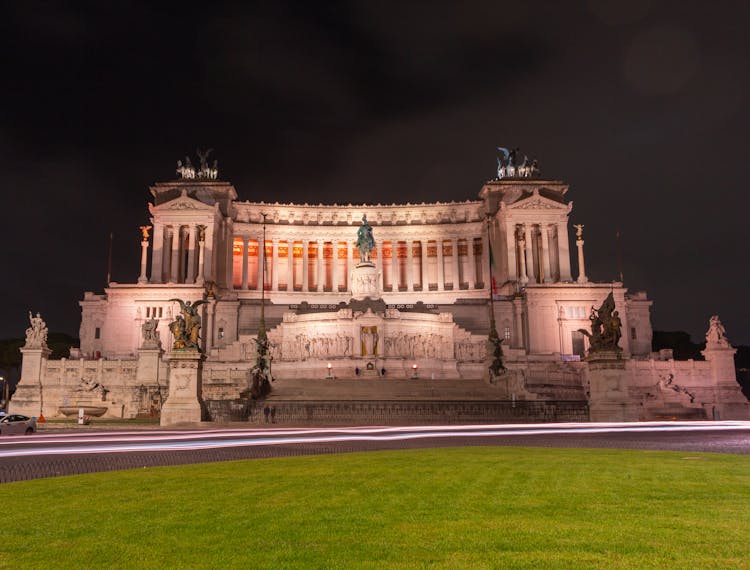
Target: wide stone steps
{"x": 388, "y": 412}
{"x": 377, "y": 388}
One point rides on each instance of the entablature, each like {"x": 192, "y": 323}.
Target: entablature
{"x": 351, "y": 214}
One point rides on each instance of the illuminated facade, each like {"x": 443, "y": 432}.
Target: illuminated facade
{"x": 427, "y": 308}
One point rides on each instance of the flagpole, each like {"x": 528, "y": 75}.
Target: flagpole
{"x": 262, "y": 326}
{"x": 493, "y": 328}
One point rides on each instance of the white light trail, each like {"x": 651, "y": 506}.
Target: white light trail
{"x": 163, "y": 441}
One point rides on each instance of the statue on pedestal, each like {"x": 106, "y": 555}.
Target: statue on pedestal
{"x": 605, "y": 327}
{"x": 186, "y": 326}
{"x": 716, "y": 336}
{"x": 150, "y": 333}
{"x": 365, "y": 241}
{"x": 36, "y": 334}
{"x": 506, "y": 166}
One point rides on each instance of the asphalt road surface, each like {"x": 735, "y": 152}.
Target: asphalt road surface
{"x": 52, "y": 453}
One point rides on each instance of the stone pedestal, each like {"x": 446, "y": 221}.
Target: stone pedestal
{"x": 364, "y": 280}
{"x": 609, "y": 398}
{"x": 729, "y": 401}
{"x": 29, "y": 396}
{"x": 183, "y": 403}
{"x": 147, "y": 370}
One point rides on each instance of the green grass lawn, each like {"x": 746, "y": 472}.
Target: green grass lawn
{"x": 443, "y": 508}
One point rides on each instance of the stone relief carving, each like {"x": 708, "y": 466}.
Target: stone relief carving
{"x": 468, "y": 351}
{"x": 330, "y": 345}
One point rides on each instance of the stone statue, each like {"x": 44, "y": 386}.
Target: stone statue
{"x": 206, "y": 172}
{"x": 365, "y": 241}
{"x": 36, "y": 334}
{"x": 506, "y": 166}
{"x": 202, "y": 156}
{"x": 150, "y": 333}
{"x": 201, "y": 233}
{"x": 605, "y": 327}
{"x": 501, "y": 171}
{"x": 579, "y": 230}
{"x": 494, "y": 355}
{"x": 716, "y": 336}
{"x": 186, "y": 171}
{"x": 370, "y": 337}
{"x": 186, "y": 326}
{"x": 144, "y": 232}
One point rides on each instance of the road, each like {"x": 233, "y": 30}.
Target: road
{"x": 53, "y": 453}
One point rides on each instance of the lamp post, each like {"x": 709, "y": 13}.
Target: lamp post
{"x": 330, "y": 371}
{"x": 4, "y": 394}
{"x": 414, "y": 371}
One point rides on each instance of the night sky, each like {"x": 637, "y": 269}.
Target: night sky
{"x": 642, "y": 107}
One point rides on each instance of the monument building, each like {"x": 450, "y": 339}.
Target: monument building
{"x": 373, "y": 312}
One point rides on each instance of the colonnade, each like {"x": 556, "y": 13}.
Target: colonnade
{"x": 325, "y": 265}
{"x": 179, "y": 254}
{"x": 538, "y": 252}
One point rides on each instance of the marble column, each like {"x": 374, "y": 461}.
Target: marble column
{"x": 274, "y": 265}
{"x": 563, "y": 250}
{"x": 157, "y": 254}
{"x": 454, "y": 265}
{"x": 395, "y": 273}
{"x": 440, "y": 265}
{"x": 546, "y": 265}
{"x": 349, "y": 265}
{"x": 175, "y": 258}
{"x": 581, "y": 263}
{"x": 190, "y": 275}
{"x": 380, "y": 264}
{"x": 409, "y": 264}
{"x": 472, "y": 262}
{"x": 200, "y": 280}
{"x": 530, "y": 273}
{"x": 245, "y": 241}
{"x": 335, "y": 268}
{"x": 144, "y": 260}
{"x": 261, "y": 257}
{"x": 321, "y": 268}
{"x": 423, "y": 249}
{"x": 290, "y": 264}
{"x": 523, "y": 278}
{"x": 512, "y": 247}
{"x": 305, "y": 264}
{"x": 208, "y": 255}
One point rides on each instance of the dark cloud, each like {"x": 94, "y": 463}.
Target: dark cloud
{"x": 641, "y": 107}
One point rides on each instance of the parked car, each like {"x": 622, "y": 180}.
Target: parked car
{"x": 16, "y": 423}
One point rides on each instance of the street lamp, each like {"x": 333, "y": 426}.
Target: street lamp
{"x": 4, "y": 393}
{"x": 330, "y": 371}
{"x": 414, "y": 371}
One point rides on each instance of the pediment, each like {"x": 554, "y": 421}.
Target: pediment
{"x": 181, "y": 203}
{"x": 536, "y": 201}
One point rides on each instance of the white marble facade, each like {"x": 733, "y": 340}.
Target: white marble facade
{"x": 423, "y": 302}
{"x": 437, "y": 254}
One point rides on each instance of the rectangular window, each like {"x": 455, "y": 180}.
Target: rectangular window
{"x": 97, "y": 332}
{"x": 148, "y": 312}
{"x": 633, "y": 333}
{"x": 506, "y": 333}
